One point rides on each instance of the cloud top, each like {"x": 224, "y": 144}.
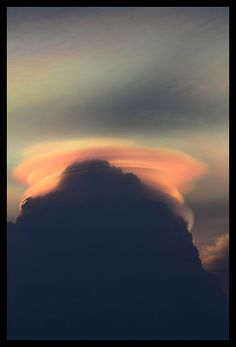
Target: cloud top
{"x": 173, "y": 172}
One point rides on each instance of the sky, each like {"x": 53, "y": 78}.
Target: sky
{"x": 146, "y": 88}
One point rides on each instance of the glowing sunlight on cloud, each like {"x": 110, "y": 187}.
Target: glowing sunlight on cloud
{"x": 170, "y": 171}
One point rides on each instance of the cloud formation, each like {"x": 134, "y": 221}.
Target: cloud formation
{"x": 173, "y": 172}
{"x": 104, "y": 257}
{"x": 215, "y": 259}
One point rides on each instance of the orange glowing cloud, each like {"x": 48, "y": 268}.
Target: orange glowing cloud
{"x": 171, "y": 171}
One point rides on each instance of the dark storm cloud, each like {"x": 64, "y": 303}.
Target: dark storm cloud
{"x": 103, "y": 258}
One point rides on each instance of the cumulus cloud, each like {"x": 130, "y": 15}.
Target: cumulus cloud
{"x": 104, "y": 257}
{"x": 172, "y": 172}
{"x": 215, "y": 259}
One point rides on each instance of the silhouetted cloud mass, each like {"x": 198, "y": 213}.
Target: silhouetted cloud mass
{"x": 102, "y": 257}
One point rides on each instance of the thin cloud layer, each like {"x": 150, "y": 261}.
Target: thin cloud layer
{"x": 156, "y": 65}
{"x": 173, "y": 172}
{"x": 103, "y": 257}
